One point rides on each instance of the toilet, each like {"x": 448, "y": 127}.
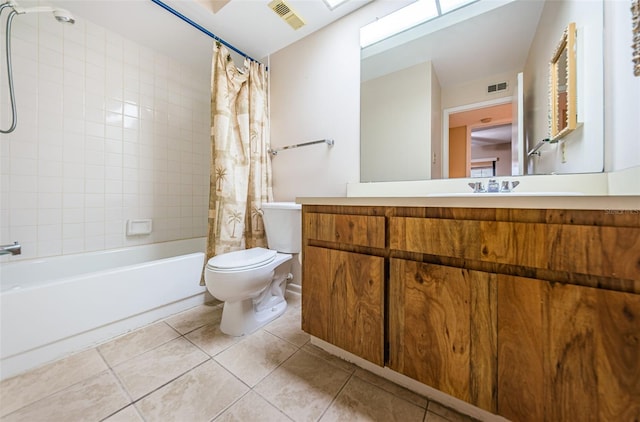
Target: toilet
{"x": 252, "y": 282}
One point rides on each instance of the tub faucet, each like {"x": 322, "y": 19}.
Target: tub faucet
{"x": 14, "y": 249}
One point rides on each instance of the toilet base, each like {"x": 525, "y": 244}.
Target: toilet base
{"x": 246, "y": 316}
{"x": 242, "y": 318}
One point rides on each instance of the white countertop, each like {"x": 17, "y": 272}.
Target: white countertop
{"x": 621, "y": 204}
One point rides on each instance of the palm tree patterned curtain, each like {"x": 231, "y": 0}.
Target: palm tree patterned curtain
{"x": 240, "y": 179}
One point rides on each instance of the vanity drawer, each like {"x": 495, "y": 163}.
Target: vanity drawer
{"x": 592, "y": 250}
{"x": 358, "y": 230}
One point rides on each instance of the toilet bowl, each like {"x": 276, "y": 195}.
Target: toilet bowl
{"x": 252, "y": 282}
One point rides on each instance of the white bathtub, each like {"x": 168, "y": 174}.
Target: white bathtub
{"x": 55, "y": 306}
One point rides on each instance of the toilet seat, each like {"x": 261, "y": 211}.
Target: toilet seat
{"x": 241, "y": 260}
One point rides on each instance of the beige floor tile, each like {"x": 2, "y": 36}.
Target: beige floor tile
{"x": 334, "y": 360}
{"x": 198, "y": 395}
{"x": 361, "y": 401}
{"x": 255, "y": 356}
{"x": 197, "y": 317}
{"x": 293, "y": 379}
{"x": 434, "y": 417}
{"x": 252, "y": 407}
{"x": 128, "y": 414}
{"x": 303, "y": 387}
{"x": 392, "y": 388}
{"x": 447, "y": 413}
{"x": 90, "y": 400}
{"x": 24, "y": 389}
{"x": 210, "y": 339}
{"x": 137, "y": 342}
{"x": 152, "y": 369}
{"x": 287, "y": 327}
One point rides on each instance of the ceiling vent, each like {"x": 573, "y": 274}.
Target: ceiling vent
{"x": 502, "y": 86}
{"x": 285, "y": 12}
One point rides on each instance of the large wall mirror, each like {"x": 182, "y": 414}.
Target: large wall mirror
{"x": 467, "y": 94}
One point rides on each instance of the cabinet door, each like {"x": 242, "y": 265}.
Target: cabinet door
{"x": 343, "y": 300}
{"x": 567, "y": 352}
{"x": 617, "y": 316}
{"x": 442, "y": 330}
{"x": 520, "y": 348}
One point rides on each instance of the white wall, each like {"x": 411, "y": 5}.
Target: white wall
{"x": 584, "y": 149}
{"x": 622, "y": 88}
{"x": 107, "y": 131}
{"x": 315, "y": 94}
{"x": 501, "y": 151}
{"x": 395, "y": 121}
{"x": 311, "y": 99}
{"x": 476, "y": 91}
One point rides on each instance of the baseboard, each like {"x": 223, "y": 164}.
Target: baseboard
{"x": 294, "y": 288}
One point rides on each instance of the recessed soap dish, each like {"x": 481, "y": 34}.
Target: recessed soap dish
{"x": 139, "y": 227}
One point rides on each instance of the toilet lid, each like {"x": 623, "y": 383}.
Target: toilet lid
{"x": 248, "y": 258}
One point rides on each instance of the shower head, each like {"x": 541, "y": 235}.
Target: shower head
{"x": 61, "y": 15}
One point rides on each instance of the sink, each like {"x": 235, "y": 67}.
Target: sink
{"x": 493, "y": 194}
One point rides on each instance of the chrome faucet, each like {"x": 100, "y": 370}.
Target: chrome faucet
{"x": 477, "y": 187}
{"x": 493, "y": 186}
{"x": 14, "y": 249}
{"x": 508, "y": 186}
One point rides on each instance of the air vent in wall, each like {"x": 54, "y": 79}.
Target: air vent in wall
{"x": 497, "y": 87}
{"x": 285, "y": 12}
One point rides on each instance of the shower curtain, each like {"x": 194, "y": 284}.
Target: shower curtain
{"x": 240, "y": 179}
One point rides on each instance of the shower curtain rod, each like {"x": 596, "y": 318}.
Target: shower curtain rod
{"x": 202, "y": 29}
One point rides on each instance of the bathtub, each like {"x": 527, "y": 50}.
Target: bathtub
{"x": 52, "y": 307}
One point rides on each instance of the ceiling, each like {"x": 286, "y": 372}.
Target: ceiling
{"x": 478, "y": 116}
{"x": 249, "y": 25}
{"x": 492, "y": 135}
{"x": 489, "y": 125}
{"x": 480, "y": 40}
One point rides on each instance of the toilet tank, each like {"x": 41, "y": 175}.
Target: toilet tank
{"x": 283, "y": 225}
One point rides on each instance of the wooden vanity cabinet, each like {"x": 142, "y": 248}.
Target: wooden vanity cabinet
{"x": 529, "y": 314}
{"x": 562, "y": 313}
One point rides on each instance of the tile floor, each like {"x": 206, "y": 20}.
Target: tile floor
{"x": 184, "y": 369}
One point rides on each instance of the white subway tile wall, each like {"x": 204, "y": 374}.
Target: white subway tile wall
{"x": 108, "y": 130}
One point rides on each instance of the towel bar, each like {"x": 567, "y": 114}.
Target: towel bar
{"x": 274, "y": 151}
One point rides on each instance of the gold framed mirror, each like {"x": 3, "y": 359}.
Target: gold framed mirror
{"x": 563, "y": 117}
